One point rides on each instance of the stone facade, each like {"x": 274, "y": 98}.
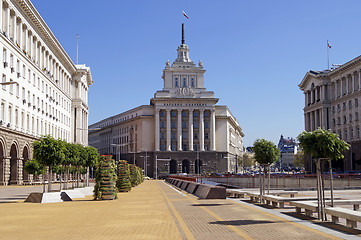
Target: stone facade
{"x": 182, "y": 124}
{"x": 332, "y": 101}
{"x": 42, "y": 92}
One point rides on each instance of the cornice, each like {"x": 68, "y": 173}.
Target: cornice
{"x": 33, "y": 15}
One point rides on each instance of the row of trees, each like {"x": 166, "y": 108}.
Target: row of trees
{"x": 319, "y": 144}
{"x": 64, "y": 158}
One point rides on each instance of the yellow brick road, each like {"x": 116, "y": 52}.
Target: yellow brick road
{"x": 152, "y": 210}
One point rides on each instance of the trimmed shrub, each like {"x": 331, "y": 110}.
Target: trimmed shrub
{"x": 105, "y": 178}
{"x": 124, "y": 180}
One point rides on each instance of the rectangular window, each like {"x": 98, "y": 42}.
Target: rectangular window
{"x": 4, "y": 80}
{"x": 173, "y": 124}
{"x": 206, "y": 113}
{"x": 356, "y": 102}
{"x": 11, "y": 87}
{"x": 192, "y": 82}
{"x": 162, "y": 135}
{"x": 195, "y": 147}
{"x": 195, "y": 135}
{"x": 4, "y": 57}
{"x": 173, "y": 114}
{"x": 184, "y": 82}
{"x": 206, "y": 125}
{"x": 185, "y": 135}
{"x": 195, "y": 124}
{"x": 195, "y": 114}
{"x": 162, "y": 113}
{"x": 205, "y": 135}
{"x": 173, "y": 135}
{"x": 185, "y": 147}
{"x": 184, "y": 114}
{"x": 174, "y": 147}
{"x": 184, "y": 125}
{"x": 162, "y": 125}
{"x": 176, "y": 82}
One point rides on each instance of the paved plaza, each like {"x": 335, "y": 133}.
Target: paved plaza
{"x": 153, "y": 210}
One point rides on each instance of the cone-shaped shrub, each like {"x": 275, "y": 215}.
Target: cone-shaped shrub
{"x": 134, "y": 178}
{"x": 124, "y": 181}
{"x": 105, "y": 178}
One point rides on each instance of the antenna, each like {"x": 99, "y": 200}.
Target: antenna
{"x": 183, "y": 40}
{"x": 77, "y": 48}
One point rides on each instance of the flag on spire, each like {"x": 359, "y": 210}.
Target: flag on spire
{"x": 184, "y": 14}
{"x": 328, "y": 44}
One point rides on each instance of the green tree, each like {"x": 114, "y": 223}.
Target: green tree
{"x": 299, "y": 159}
{"x": 81, "y": 161}
{"x": 35, "y": 168}
{"x": 49, "y": 152}
{"x": 72, "y": 156}
{"x": 124, "y": 179}
{"x": 323, "y": 144}
{"x": 265, "y": 153}
{"x": 92, "y": 159}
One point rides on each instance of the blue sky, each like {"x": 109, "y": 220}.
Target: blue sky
{"x": 255, "y": 52}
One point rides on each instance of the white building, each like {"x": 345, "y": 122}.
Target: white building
{"x": 49, "y": 95}
{"x": 332, "y": 102}
{"x": 182, "y": 123}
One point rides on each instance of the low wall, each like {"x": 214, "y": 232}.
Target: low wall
{"x": 284, "y": 182}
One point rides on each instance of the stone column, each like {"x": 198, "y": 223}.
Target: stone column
{"x": 201, "y": 129}
{"x": 179, "y": 130}
{"x": 213, "y": 130}
{"x": 359, "y": 79}
{"x": 312, "y": 92}
{"x": 347, "y": 85}
{"x": 168, "y": 130}
{"x": 190, "y": 126}
{"x": 1, "y": 17}
{"x": 156, "y": 130}
{"x": 26, "y": 40}
{"x": 7, "y": 21}
{"x": 336, "y": 89}
{"x": 353, "y": 82}
{"x": 305, "y": 117}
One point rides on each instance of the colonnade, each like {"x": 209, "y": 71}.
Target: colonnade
{"x": 180, "y": 129}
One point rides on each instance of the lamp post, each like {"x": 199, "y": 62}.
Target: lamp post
{"x": 117, "y": 151}
{"x": 145, "y": 163}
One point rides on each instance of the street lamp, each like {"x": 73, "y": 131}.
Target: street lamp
{"x": 145, "y": 163}
{"x": 117, "y": 151}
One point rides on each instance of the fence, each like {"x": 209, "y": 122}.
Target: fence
{"x": 340, "y": 181}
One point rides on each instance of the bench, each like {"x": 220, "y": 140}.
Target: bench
{"x": 236, "y": 193}
{"x": 309, "y": 206}
{"x": 354, "y": 202}
{"x": 352, "y": 217}
{"x": 277, "y": 200}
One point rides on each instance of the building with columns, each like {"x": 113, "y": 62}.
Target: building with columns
{"x": 332, "y": 102}
{"x": 182, "y": 126}
{"x": 42, "y": 92}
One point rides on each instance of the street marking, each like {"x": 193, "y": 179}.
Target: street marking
{"x": 288, "y": 221}
{"x": 174, "y": 189}
{"x": 182, "y": 226}
{"x": 233, "y": 228}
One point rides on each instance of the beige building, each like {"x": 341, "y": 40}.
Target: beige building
{"x": 332, "y": 102}
{"x": 182, "y": 124}
{"x": 41, "y": 90}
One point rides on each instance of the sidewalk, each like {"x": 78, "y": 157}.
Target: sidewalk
{"x": 153, "y": 210}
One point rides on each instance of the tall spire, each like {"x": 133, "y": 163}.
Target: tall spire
{"x": 183, "y": 40}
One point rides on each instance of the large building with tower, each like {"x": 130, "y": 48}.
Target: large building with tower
{"x": 332, "y": 101}
{"x": 42, "y": 92}
{"x": 181, "y": 131}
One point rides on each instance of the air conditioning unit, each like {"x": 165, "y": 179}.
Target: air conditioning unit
{"x": 1, "y": 122}
{"x": 12, "y": 69}
{"x": 18, "y": 74}
{"x": 5, "y": 64}
{"x": 29, "y": 104}
{"x": 24, "y": 101}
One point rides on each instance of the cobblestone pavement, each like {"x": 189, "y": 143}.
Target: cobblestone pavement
{"x": 153, "y": 210}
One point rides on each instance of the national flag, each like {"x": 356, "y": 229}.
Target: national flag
{"x": 328, "y": 45}
{"x": 184, "y": 14}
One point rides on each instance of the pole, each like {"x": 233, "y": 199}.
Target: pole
{"x": 328, "y": 56}
{"x": 77, "y": 48}
{"x": 331, "y": 183}
{"x": 156, "y": 167}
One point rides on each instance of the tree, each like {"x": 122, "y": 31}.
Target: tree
{"x": 83, "y": 158}
{"x": 72, "y": 155}
{"x": 49, "y": 152}
{"x": 265, "y": 153}
{"x": 92, "y": 160}
{"x": 323, "y": 144}
{"x": 33, "y": 167}
{"x": 327, "y": 145}
{"x": 299, "y": 159}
